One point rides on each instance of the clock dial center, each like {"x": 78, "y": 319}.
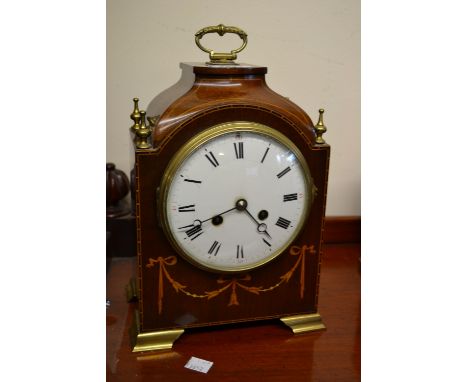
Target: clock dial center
{"x": 241, "y": 204}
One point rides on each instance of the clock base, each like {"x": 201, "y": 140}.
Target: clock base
{"x": 164, "y": 339}
{"x": 157, "y": 340}
{"x": 304, "y": 323}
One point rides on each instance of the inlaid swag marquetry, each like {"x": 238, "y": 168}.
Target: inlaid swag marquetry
{"x": 231, "y": 284}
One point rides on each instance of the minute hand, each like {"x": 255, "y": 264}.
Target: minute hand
{"x": 200, "y": 222}
{"x": 261, "y": 227}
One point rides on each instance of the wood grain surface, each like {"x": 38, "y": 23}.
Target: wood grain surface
{"x": 342, "y": 229}
{"x": 259, "y": 351}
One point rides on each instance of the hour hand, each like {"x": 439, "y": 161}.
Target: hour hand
{"x": 217, "y": 219}
{"x": 241, "y": 205}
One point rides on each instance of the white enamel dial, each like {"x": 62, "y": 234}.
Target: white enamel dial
{"x": 237, "y": 199}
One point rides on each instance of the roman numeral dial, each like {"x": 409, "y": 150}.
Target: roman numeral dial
{"x": 212, "y": 159}
{"x": 192, "y": 181}
{"x": 284, "y": 172}
{"x": 214, "y": 248}
{"x": 289, "y": 197}
{"x": 265, "y": 154}
{"x": 239, "y": 150}
{"x": 240, "y": 252}
{"x": 283, "y": 223}
{"x": 194, "y": 232}
{"x": 188, "y": 208}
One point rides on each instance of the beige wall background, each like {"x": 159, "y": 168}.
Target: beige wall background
{"x": 311, "y": 48}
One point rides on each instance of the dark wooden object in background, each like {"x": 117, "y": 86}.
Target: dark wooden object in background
{"x": 120, "y": 224}
{"x": 265, "y": 351}
{"x": 117, "y": 187}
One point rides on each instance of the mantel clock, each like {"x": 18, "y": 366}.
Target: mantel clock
{"x": 230, "y": 190}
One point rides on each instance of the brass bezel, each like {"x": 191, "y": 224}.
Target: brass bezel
{"x": 202, "y": 138}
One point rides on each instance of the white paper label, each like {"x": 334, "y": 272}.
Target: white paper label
{"x": 198, "y": 364}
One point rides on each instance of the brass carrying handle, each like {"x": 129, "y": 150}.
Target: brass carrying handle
{"x": 221, "y": 58}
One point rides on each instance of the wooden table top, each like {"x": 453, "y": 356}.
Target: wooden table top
{"x": 249, "y": 352}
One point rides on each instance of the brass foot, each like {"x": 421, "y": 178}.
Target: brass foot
{"x": 157, "y": 340}
{"x": 304, "y": 323}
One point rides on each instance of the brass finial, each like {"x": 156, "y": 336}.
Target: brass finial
{"x": 135, "y": 116}
{"x": 320, "y": 128}
{"x": 142, "y": 133}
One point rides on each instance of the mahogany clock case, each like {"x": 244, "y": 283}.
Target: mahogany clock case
{"x": 174, "y": 293}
